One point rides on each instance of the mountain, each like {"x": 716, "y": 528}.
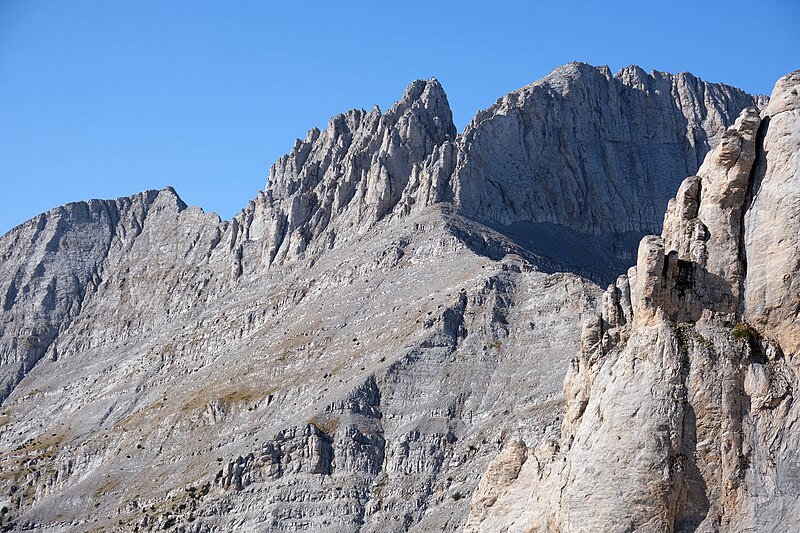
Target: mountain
{"x": 679, "y": 410}
{"x": 394, "y": 315}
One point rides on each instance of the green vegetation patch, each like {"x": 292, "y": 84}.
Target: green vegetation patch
{"x": 744, "y": 331}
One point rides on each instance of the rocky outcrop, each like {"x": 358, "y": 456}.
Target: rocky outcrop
{"x": 338, "y": 182}
{"x": 580, "y": 157}
{"x": 772, "y": 287}
{"x": 679, "y": 409}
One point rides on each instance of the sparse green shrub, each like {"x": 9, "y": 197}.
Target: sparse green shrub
{"x": 457, "y": 496}
{"x": 744, "y": 331}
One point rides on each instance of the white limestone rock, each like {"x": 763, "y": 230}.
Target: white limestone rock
{"x": 686, "y": 422}
{"x": 772, "y": 222}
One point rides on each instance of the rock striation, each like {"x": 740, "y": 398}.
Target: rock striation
{"x": 583, "y": 160}
{"x": 395, "y": 314}
{"x": 772, "y": 287}
{"x": 338, "y": 182}
{"x": 594, "y": 152}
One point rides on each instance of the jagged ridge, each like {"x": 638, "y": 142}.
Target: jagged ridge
{"x": 359, "y": 273}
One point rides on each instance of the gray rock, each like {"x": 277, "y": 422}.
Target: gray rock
{"x": 772, "y": 222}
{"x": 592, "y": 152}
{"x": 681, "y": 419}
{"x": 394, "y": 315}
{"x": 580, "y": 161}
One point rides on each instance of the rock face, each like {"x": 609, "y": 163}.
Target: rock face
{"x": 574, "y": 168}
{"x": 54, "y": 264}
{"x": 680, "y": 409}
{"x": 395, "y": 315}
{"x": 772, "y": 287}
{"x": 336, "y": 183}
{"x": 596, "y": 153}
{"x": 585, "y": 158}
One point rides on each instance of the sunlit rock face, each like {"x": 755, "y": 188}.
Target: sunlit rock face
{"x": 679, "y": 410}
{"x": 379, "y": 340}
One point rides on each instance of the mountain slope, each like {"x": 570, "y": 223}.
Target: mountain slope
{"x": 350, "y": 351}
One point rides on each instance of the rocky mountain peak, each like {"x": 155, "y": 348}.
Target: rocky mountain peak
{"x": 579, "y": 156}
{"x": 337, "y": 183}
{"x": 428, "y": 99}
{"x": 169, "y": 198}
{"x": 574, "y": 74}
{"x": 582, "y": 156}
{"x": 633, "y": 76}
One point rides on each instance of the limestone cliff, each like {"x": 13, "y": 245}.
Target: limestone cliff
{"x": 680, "y": 408}
{"x": 578, "y": 166}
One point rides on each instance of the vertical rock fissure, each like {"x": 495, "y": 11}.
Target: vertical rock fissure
{"x": 753, "y": 183}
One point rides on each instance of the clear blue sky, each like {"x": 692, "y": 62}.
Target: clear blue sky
{"x": 102, "y": 99}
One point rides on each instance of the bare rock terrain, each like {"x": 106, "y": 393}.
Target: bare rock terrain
{"x": 679, "y": 410}
{"x": 379, "y": 341}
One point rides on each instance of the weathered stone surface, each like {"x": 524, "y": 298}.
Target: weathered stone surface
{"x": 54, "y": 263}
{"x": 772, "y": 222}
{"x": 501, "y": 474}
{"x": 338, "y": 182}
{"x": 681, "y": 419}
{"x": 578, "y": 166}
{"x": 591, "y": 151}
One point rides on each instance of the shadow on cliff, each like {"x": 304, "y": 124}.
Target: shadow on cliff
{"x": 690, "y": 290}
{"x": 692, "y": 500}
{"x": 552, "y": 248}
